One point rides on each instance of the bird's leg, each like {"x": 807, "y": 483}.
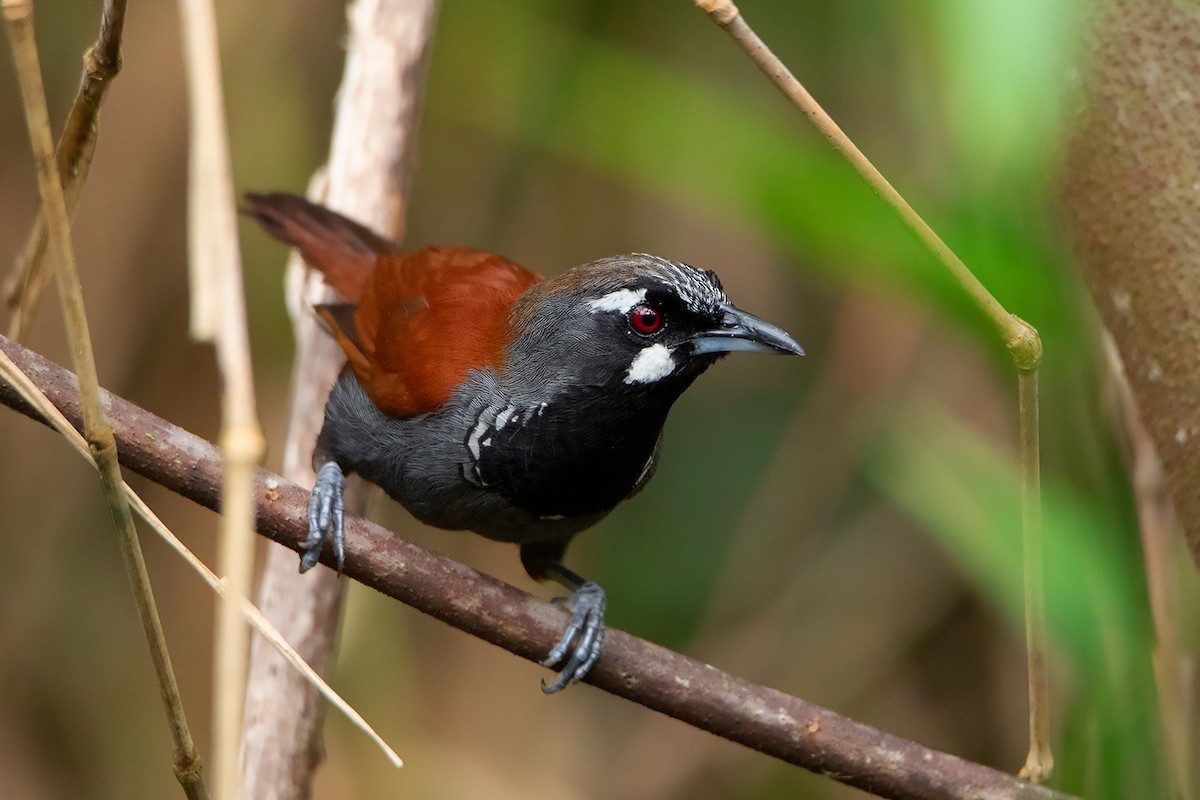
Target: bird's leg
{"x": 326, "y": 510}
{"x": 579, "y": 647}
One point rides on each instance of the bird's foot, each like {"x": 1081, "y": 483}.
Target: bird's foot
{"x": 579, "y": 646}
{"x": 326, "y": 510}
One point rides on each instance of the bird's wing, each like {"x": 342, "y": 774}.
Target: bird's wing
{"x": 427, "y": 318}
{"x": 417, "y": 322}
{"x": 340, "y": 319}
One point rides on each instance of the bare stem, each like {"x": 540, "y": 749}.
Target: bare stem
{"x": 33, "y": 397}
{"x": 1015, "y": 333}
{"x": 18, "y": 15}
{"x": 219, "y": 316}
{"x": 1039, "y": 762}
{"x": 101, "y": 63}
{"x": 1019, "y": 337}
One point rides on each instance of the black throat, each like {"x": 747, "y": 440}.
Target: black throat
{"x": 582, "y": 454}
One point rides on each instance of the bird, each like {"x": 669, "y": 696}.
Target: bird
{"x": 484, "y": 397}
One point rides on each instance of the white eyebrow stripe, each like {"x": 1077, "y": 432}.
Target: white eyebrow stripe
{"x": 622, "y": 300}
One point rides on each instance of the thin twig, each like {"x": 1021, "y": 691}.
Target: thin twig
{"x": 1039, "y": 762}
{"x": 18, "y": 15}
{"x": 219, "y": 316}
{"x": 1020, "y": 338}
{"x": 101, "y": 63}
{"x": 764, "y": 719}
{"x": 54, "y": 418}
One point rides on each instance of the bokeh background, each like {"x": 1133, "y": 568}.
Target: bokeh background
{"x": 842, "y": 527}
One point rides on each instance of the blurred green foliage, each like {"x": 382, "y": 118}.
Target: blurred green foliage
{"x": 969, "y": 497}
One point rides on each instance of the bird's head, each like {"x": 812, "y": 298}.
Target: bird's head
{"x": 634, "y": 324}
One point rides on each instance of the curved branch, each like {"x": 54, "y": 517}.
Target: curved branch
{"x": 764, "y": 719}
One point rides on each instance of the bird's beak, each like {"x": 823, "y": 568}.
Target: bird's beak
{"x": 741, "y": 331}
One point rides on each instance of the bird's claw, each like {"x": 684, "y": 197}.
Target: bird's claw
{"x": 326, "y": 512}
{"x": 579, "y": 647}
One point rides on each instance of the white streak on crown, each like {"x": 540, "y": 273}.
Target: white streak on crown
{"x": 622, "y": 300}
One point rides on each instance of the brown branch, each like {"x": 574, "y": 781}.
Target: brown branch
{"x": 18, "y": 25}
{"x": 761, "y": 718}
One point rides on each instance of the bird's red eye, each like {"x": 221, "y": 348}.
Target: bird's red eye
{"x": 645, "y": 320}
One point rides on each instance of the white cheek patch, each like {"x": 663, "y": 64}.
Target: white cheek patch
{"x": 653, "y": 363}
{"x": 622, "y": 300}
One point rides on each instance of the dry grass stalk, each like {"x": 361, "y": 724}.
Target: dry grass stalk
{"x": 219, "y": 316}
{"x": 18, "y": 15}
{"x": 12, "y": 374}
{"x": 101, "y": 63}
